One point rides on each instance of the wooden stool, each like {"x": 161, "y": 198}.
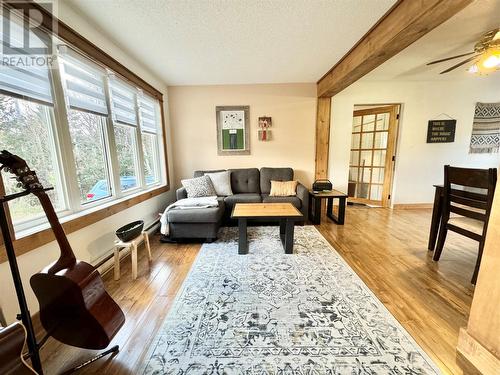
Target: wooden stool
{"x": 132, "y": 245}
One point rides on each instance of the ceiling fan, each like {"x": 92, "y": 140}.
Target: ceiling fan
{"x": 486, "y": 55}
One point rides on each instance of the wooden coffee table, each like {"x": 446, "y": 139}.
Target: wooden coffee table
{"x": 286, "y": 213}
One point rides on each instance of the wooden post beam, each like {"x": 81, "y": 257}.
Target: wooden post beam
{"x": 480, "y": 342}
{"x": 405, "y": 23}
{"x": 322, "y": 137}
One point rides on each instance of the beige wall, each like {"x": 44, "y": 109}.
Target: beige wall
{"x": 95, "y": 241}
{"x": 194, "y": 136}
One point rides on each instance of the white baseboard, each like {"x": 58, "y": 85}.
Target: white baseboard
{"x": 411, "y": 206}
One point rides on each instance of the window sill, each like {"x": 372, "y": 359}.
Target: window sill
{"x": 40, "y": 235}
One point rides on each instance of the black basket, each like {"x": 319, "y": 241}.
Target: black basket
{"x": 130, "y": 231}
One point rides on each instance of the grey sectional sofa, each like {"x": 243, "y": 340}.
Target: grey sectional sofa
{"x": 249, "y": 185}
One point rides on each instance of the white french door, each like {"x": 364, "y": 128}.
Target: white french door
{"x": 371, "y": 163}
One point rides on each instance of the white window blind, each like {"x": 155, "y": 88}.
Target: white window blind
{"x": 149, "y": 118}
{"x": 123, "y": 99}
{"x": 83, "y": 83}
{"x": 30, "y": 82}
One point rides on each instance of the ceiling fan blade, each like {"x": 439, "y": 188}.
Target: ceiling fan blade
{"x": 450, "y": 58}
{"x": 460, "y": 64}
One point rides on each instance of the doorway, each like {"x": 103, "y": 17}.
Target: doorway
{"x": 373, "y": 154}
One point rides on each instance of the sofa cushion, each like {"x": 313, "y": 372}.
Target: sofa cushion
{"x": 245, "y": 180}
{"x": 283, "y": 188}
{"x": 293, "y": 200}
{"x": 276, "y": 174}
{"x": 231, "y": 200}
{"x": 197, "y": 215}
{"x": 202, "y": 173}
{"x": 199, "y": 187}
{"x": 221, "y": 182}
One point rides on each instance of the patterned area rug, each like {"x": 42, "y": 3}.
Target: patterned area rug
{"x": 271, "y": 313}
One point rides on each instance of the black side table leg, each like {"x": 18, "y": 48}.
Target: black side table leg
{"x": 342, "y": 203}
{"x": 316, "y": 219}
{"x": 339, "y": 218}
{"x": 329, "y": 207}
{"x": 242, "y": 240}
{"x": 310, "y": 210}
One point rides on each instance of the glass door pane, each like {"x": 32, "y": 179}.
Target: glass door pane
{"x": 356, "y": 124}
{"x": 383, "y": 121}
{"x": 376, "y": 192}
{"x": 379, "y": 158}
{"x": 380, "y": 140}
{"x": 368, "y": 123}
{"x": 355, "y": 141}
{"x": 367, "y": 141}
{"x": 366, "y": 159}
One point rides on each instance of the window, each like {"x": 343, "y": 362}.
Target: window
{"x": 89, "y": 150}
{"x": 126, "y": 147}
{"x": 86, "y": 132}
{"x": 124, "y": 104}
{"x": 150, "y": 142}
{"x": 26, "y": 129}
{"x": 151, "y": 162}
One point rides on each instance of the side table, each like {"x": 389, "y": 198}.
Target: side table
{"x": 315, "y": 206}
{"x": 132, "y": 245}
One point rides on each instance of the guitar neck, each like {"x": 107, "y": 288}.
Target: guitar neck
{"x": 67, "y": 257}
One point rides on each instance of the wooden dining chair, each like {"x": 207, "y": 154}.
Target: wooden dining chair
{"x": 471, "y": 209}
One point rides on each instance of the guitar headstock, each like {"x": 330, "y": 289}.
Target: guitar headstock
{"x": 18, "y": 167}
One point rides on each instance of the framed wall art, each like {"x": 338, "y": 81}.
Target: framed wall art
{"x": 264, "y": 124}
{"x": 233, "y": 136}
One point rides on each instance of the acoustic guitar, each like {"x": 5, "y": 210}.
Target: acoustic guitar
{"x": 74, "y": 306}
{"x": 12, "y": 340}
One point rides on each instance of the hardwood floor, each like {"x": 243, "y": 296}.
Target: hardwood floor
{"x": 387, "y": 249}
{"x": 145, "y": 303}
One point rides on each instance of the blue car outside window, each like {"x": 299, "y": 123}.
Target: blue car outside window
{"x": 100, "y": 189}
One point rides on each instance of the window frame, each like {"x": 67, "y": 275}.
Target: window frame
{"x": 75, "y": 216}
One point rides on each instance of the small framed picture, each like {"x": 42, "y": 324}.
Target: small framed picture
{"x": 265, "y": 122}
{"x": 264, "y": 135}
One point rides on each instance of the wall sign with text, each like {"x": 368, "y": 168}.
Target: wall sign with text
{"x": 441, "y": 131}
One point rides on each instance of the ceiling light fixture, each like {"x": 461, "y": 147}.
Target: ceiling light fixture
{"x": 485, "y": 58}
{"x": 492, "y": 60}
{"x": 488, "y": 62}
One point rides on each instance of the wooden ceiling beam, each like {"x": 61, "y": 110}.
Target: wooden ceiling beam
{"x": 403, "y": 24}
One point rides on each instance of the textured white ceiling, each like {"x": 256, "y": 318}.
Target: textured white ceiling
{"x": 197, "y": 42}
{"x": 455, "y": 36}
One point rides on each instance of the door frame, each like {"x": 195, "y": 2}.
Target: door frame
{"x": 390, "y": 157}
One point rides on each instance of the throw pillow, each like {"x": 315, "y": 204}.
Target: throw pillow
{"x": 199, "y": 187}
{"x": 221, "y": 182}
{"x": 283, "y": 188}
